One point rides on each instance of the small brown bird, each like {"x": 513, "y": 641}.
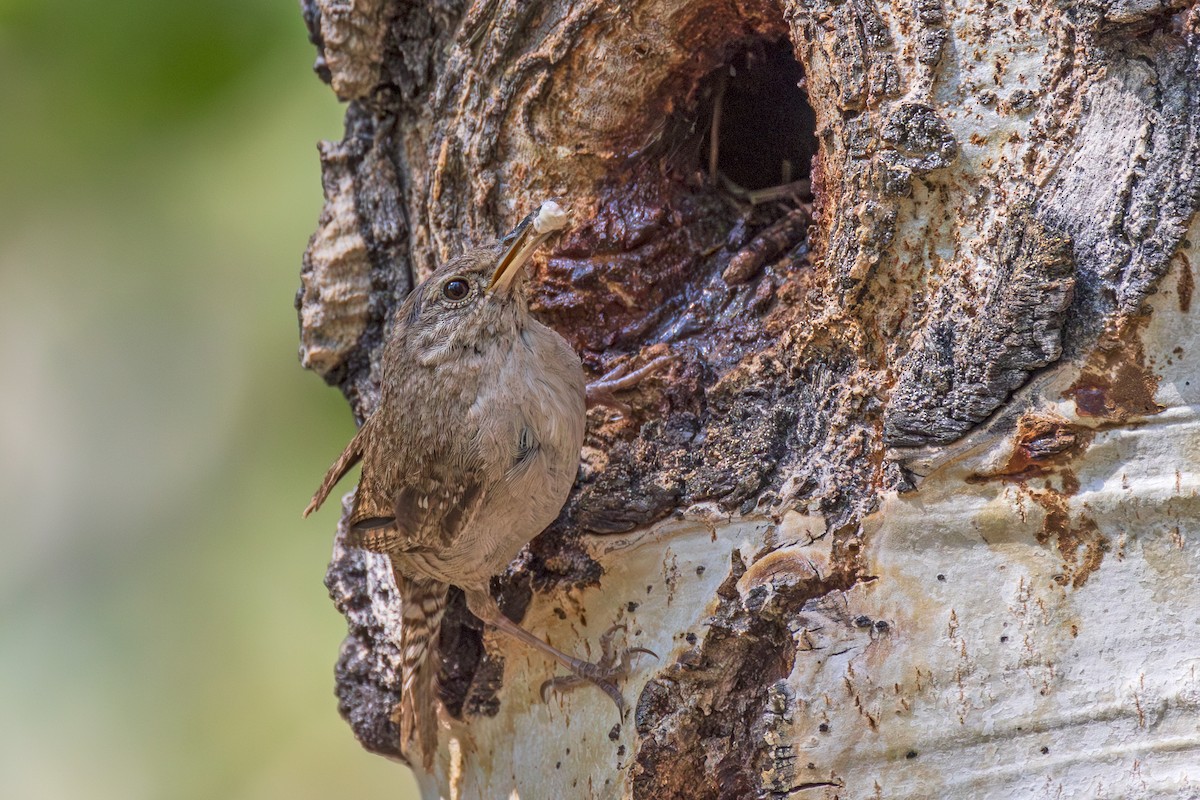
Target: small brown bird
{"x": 470, "y": 454}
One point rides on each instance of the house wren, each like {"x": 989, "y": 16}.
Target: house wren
{"x": 470, "y": 454}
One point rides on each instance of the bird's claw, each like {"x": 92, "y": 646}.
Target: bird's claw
{"x": 613, "y": 665}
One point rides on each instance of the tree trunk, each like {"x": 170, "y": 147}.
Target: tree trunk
{"x": 914, "y": 511}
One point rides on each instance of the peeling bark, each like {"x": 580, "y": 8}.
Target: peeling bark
{"x": 921, "y": 427}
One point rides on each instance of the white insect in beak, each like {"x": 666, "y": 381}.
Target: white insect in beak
{"x": 549, "y": 217}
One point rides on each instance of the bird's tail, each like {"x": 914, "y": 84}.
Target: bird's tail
{"x": 422, "y": 603}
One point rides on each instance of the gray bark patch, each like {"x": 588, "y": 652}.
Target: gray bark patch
{"x": 976, "y": 351}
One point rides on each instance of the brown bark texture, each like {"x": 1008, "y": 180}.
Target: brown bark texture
{"x": 996, "y": 191}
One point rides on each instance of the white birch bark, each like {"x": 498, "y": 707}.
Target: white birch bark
{"x": 915, "y": 512}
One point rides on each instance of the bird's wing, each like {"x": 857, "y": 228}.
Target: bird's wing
{"x": 428, "y": 513}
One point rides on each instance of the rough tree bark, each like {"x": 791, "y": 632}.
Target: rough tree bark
{"x": 914, "y": 512}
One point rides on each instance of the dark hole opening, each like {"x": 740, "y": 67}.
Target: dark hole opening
{"x": 766, "y": 133}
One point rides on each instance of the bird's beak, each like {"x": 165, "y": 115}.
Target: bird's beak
{"x": 533, "y": 230}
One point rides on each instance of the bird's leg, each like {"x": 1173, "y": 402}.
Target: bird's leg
{"x": 600, "y": 674}
{"x": 616, "y": 662}
{"x": 603, "y": 392}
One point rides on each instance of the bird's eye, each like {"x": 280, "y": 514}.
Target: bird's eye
{"x": 456, "y": 289}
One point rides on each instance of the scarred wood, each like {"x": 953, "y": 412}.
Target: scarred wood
{"x": 916, "y": 384}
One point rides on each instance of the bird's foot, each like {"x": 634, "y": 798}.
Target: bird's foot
{"x": 613, "y": 665}
{"x": 603, "y": 392}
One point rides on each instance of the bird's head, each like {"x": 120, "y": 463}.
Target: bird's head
{"x": 478, "y": 297}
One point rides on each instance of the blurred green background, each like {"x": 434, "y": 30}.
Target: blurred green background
{"x": 164, "y": 632}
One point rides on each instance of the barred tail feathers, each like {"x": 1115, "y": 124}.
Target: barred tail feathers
{"x": 345, "y": 462}
{"x": 422, "y": 604}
